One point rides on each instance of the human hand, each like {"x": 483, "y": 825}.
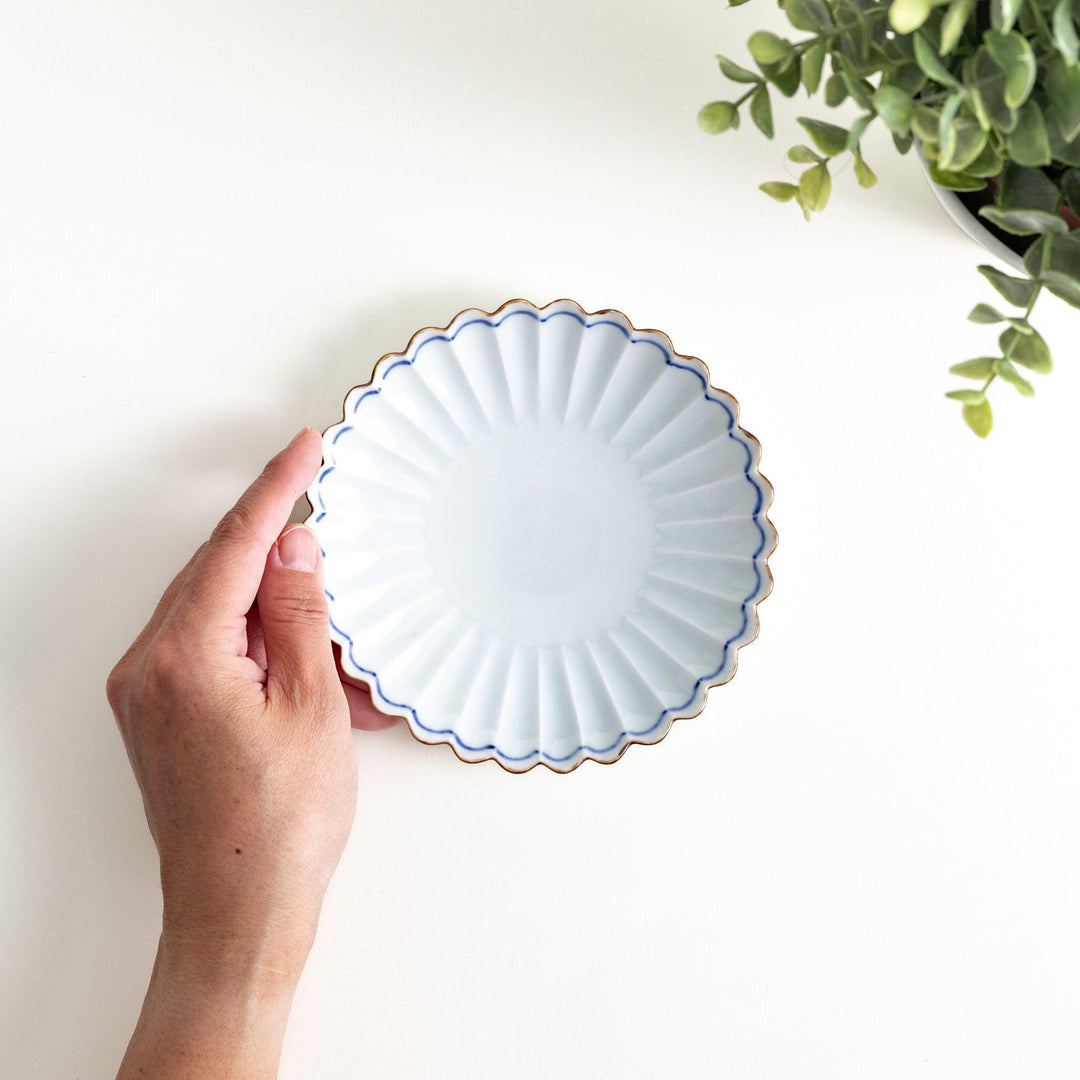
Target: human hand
{"x": 237, "y": 726}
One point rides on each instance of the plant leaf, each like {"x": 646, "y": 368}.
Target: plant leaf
{"x": 761, "y": 111}
{"x": 1016, "y": 58}
{"x": 947, "y": 135}
{"x": 982, "y": 367}
{"x": 955, "y": 181}
{"x": 779, "y": 190}
{"x": 1003, "y": 13}
{"x": 815, "y": 186}
{"x": 984, "y": 313}
{"x": 979, "y": 418}
{"x": 813, "y": 60}
{"x": 809, "y": 15}
{"x": 1062, "y": 86}
{"x": 828, "y": 138}
{"x": 907, "y": 16}
{"x": 856, "y": 87}
{"x": 1016, "y": 290}
{"x": 969, "y": 397}
{"x": 783, "y": 75}
{"x": 1022, "y": 188}
{"x": 769, "y": 48}
{"x": 930, "y": 63}
{"x": 736, "y": 73}
{"x": 1027, "y": 350}
{"x": 988, "y": 163}
{"x": 1029, "y": 143}
{"x": 718, "y": 116}
{"x": 952, "y": 25}
{"x": 1023, "y": 222}
{"x": 835, "y": 90}
{"x": 894, "y": 107}
{"x": 987, "y": 86}
{"x": 863, "y": 173}
{"x": 1005, "y": 369}
{"x": 1065, "y": 37}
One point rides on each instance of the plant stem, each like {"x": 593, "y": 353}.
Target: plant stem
{"x": 1007, "y": 352}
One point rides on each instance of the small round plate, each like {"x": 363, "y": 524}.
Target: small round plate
{"x": 545, "y": 535}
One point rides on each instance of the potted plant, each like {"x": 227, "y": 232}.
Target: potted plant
{"x": 989, "y": 90}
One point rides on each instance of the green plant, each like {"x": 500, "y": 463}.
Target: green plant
{"x": 991, "y": 91}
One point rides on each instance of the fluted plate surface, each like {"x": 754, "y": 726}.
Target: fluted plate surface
{"x": 545, "y": 535}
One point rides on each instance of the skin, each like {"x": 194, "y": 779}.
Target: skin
{"x": 236, "y": 719}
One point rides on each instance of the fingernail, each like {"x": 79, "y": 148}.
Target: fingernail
{"x": 298, "y": 549}
{"x": 299, "y": 435}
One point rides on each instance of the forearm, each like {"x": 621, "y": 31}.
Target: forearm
{"x": 207, "y": 1016}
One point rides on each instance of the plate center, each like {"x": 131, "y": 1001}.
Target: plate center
{"x": 543, "y": 532}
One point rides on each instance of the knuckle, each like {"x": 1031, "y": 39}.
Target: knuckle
{"x": 165, "y": 667}
{"x": 302, "y": 607}
{"x": 237, "y": 526}
{"x": 116, "y": 685}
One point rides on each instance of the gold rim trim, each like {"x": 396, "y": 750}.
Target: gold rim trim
{"x": 767, "y": 494}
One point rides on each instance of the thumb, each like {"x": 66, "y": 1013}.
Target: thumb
{"x": 295, "y": 621}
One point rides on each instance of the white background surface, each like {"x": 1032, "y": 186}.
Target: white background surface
{"x": 861, "y": 860}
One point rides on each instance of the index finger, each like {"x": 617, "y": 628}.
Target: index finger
{"x": 225, "y": 579}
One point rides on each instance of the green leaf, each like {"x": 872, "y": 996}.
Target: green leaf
{"x": 1029, "y": 143}
{"x": 1062, "y": 285}
{"x": 815, "y": 186}
{"x": 828, "y": 138}
{"x": 768, "y": 48}
{"x": 924, "y": 122}
{"x": 979, "y": 418}
{"x": 784, "y": 75}
{"x": 955, "y": 181}
{"x": 907, "y": 16}
{"x": 968, "y": 397}
{"x": 718, "y": 116}
{"x": 1009, "y": 373}
{"x": 1023, "y": 222}
{"x": 1062, "y": 86}
{"x": 856, "y": 87}
{"x": 779, "y": 190}
{"x": 947, "y": 133}
{"x": 803, "y": 155}
{"x": 930, "y": 63}
{"x": 1022, "y": 188}
{"x": 894, "y": 107}
{"x": 813, "y": 60}
{"x": 984, "y": 313}
{"x": 809, "y": 15}
{"x": 1014, "y": 55}
{"x": 835, "y": 90}
{"x": 736, "y": 73}
{"x": 1059, "y": 266}
{"x": 1016, "y": 290}
{"x": 863, "y": 173}
{"x": 952, "y": 25}
{"x": 987, "y": 86}
{"x": 982, "y": 367}
{"x": 856, "y": 133}
{"x": 761, "y": 111}
{"x": 1065, "y": 38}
{"x": 988, "y": 163}
{"x": 970, "y": 142}
{"x": 1027, "y": 350}
{"x": 1003, "y": 14}
{"x": 854, "y": 39}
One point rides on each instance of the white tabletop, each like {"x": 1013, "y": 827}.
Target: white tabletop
{"x": 860, "y": 860}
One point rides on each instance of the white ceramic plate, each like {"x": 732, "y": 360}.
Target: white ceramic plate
{"x": 545, "y": 535}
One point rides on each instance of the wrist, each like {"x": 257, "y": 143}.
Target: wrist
{"x": 221, "y": 1012}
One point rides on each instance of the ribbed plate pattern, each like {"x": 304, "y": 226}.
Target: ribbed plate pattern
{"x": 545, "y": 535}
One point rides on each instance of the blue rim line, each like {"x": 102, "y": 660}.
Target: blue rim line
{"x": 704, "y": 680}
